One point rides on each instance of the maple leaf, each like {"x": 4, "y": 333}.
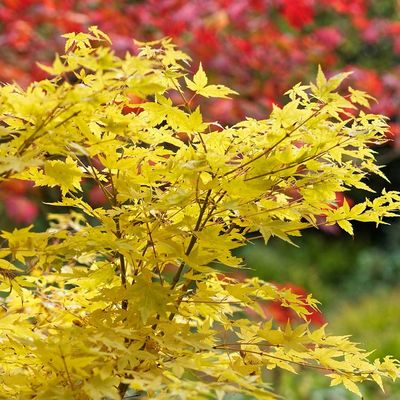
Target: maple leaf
{"x": 66, "y": 174}
{"x": 98, "y": 387}
{"x": 199, "y": 85}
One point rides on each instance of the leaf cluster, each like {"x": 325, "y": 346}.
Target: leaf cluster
{"x": 128, "y": 298}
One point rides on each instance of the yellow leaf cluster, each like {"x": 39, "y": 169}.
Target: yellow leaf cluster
{"x": 127, "y": 299}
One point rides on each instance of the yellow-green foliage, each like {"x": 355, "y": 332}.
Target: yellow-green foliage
{"x": 98, "y": 315}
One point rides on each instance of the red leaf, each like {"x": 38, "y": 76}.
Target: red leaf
{"x": 298, "y": 13}
{"x": 20, "y": 209}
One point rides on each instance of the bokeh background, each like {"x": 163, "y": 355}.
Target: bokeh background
{"x": 260, "y": 48}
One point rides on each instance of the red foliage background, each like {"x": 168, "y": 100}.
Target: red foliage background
{"x": 258, "y": 47}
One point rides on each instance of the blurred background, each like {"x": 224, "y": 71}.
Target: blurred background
{"x": 260, "y": 48}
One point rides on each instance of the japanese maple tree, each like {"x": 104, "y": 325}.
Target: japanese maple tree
{"x": 91, "y": 310}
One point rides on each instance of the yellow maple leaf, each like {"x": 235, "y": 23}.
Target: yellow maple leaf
{"x": 66, "y": 174}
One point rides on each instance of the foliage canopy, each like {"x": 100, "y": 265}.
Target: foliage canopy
{"x": 92, "y": 307}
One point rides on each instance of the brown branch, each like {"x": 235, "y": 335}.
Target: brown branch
{"x": 151, "y": 241}
{"x": 295, "y": 163}
{"x": 66, "y": 369}
{"x": 273, "y": 147}
{"x": 32, "y": 137}
{"x": 211, "y": 302}
{"x": 299, "y": 363}
{"x": 193, "y": 240}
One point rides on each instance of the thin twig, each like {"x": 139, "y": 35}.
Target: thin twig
{"x": 66, "y": 369}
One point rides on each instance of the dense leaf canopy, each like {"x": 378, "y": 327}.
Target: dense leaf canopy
{"x": 128, "y": 298}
